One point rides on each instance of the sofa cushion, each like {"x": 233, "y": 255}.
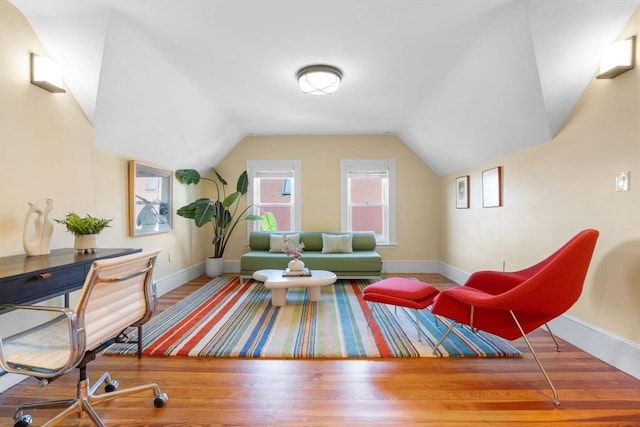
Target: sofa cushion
{"x": 336, "y": 243}
{"x": 276, "y": 241}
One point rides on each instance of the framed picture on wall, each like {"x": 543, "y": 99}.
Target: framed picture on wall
{"x": 462, "y": 192}
{"x": 150, "y": 199}
{"x": 492, "y": 187}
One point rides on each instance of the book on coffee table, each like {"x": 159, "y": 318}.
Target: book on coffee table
{"x": 296, "y": 273}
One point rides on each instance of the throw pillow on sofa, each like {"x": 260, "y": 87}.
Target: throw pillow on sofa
{"x": 337, "y": 243}
{"x": 276, "y": 241}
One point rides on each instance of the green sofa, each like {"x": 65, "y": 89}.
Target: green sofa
{"x": 363, "y": 262}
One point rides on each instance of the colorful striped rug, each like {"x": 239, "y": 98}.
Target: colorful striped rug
{"x": 227, "y": 319}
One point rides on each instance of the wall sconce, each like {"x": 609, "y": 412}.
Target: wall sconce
{"x": 46, "y": 74}
{"x": 618, "y": 58}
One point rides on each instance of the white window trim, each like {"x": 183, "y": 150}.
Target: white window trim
{"x": 254, "y": 166}
{"x": 358, "y": 165}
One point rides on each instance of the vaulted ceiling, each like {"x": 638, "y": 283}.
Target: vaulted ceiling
{"x": 180, "y": 83}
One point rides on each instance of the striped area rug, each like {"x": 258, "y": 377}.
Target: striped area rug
{"x": 227, "y": 319}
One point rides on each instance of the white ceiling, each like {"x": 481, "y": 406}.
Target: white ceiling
{"x": 180, "y": 83}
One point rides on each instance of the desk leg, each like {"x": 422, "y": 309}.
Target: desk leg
{"x": 279, "y": 297}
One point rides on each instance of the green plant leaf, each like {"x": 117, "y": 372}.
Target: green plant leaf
{"x": 188, "y": 176}
{"x": 204, "y": 211}
{"x": 243, "y": 183}
{"x": 231, "y": 199}
{"x": 219, "y": 177}
{"x": 269, "y": 222}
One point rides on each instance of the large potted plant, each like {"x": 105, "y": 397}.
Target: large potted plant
{"x": 85, "y": 229}
{"x": 223, "y": 213}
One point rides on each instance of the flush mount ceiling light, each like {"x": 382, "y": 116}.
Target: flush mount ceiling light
{"x": 617, "y": 58}
{"x": 46, "y": 74}
{"x": 319, "y": 79}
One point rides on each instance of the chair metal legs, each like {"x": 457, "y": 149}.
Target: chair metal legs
{"x": 395, "y": 312}
{"x": 555, "y": 399}
{"x": 85, "y": 399}
{"x": 553, "y": 337}
{"x": 535, "y": 356}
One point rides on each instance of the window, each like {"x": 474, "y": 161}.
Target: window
{"x": 274, "y": 190}
{"x": 368, "y": 197}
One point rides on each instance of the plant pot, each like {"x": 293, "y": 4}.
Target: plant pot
{"x": 296, "y": 265}
{"x": 214, "y": 267}
{"x": 86, "y": 244}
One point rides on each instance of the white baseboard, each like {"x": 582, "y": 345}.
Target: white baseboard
{"x": 391, "y": 267}
{"x": 9, "y": 380}
{"x": 179, "y": 278}
{"x": 453, "y": 273}
{"x": 614, "y": 350}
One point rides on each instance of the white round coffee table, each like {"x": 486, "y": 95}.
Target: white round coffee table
{"x": 278, "y": 284}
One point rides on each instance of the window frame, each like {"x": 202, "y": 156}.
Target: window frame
{"x": 388, "y": 166}
{"x": 255, "y": 167}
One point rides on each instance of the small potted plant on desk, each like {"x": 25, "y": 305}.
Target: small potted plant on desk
{"x": 222, "y": 213}
{"x": 85, "y": 229}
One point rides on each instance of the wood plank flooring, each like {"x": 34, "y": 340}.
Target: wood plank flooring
{"x": 398, "y": 392}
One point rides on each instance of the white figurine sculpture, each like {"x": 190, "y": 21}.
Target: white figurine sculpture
{"x": 38, "y": 228}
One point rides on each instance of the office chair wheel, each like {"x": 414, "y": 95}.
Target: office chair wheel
{"x": 23, "y": 421}
{"x": 111, "y": 386}
{"x": 160, "y": 400}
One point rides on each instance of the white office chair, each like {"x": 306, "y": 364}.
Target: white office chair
{"x": 117, "y": 294}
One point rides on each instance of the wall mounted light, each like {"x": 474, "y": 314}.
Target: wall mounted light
{"x": 617, "y": 58}
{"x": 46, "y": 74}
{"x": 319, "y": 79}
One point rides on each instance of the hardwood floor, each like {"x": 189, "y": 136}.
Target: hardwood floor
{"x": 417, "y": 392}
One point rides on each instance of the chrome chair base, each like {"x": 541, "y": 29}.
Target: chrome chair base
{"x": 86, "y": 399}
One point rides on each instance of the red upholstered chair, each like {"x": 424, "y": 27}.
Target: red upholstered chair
{"x": 512, "y": 304}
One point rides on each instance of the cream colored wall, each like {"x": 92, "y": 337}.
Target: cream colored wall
{"x": 554, "y": 190}
{"x": 417, "y": 186}
{"x": 47, "y": 150}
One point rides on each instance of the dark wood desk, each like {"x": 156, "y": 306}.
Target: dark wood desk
{"x": 31, "y": 279}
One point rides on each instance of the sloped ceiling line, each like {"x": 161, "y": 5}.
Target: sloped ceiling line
{"x": 180, "y": 83}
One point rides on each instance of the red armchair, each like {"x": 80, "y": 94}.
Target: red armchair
{"x": 512, "y": 304}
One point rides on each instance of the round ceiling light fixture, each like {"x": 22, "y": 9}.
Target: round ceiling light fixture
{"x": 319, "y": 79}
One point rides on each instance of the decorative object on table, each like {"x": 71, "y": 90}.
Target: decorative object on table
{"x": 38, "y": 228}
{"x": 334, "y": 327}
{"x": 85, "y": 229}
{"x": 222, "y": 213}
{"x": 294, "y": 249}
{"x": 150, "y": 199}
{"x": 296, "y": 273}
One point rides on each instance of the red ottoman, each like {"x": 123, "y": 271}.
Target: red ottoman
{"x": 401, "y": 292}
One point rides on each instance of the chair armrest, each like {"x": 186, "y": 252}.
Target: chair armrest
{"x": 19, "y": 365}
{"x": 494, "y": 282}
{"x": 67, "y": 311}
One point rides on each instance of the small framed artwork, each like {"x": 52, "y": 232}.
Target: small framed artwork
{"x": 150, "y": 199}
{"x": 492, "y": 187}
{"x": 462, "y": 192}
